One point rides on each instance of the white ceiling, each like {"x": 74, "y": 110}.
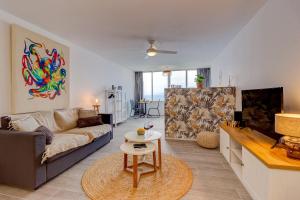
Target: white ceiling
{"x": 118, "y": 29}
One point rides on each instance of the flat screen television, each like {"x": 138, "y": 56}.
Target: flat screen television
{"x": 259, "y": 107}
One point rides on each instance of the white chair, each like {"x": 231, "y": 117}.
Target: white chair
{"x": 156, "y": 108}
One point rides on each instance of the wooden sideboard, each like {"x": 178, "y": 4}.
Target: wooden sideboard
{"x": 267, "y": 174}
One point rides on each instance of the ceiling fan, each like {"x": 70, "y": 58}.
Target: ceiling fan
{"x": 153, "y": 51}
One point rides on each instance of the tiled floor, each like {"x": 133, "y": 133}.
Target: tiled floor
{"x": 213, "y": 177}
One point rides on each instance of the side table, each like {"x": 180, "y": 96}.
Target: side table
{"x": 128, "y": 148}
{"x": 148, "y": 137}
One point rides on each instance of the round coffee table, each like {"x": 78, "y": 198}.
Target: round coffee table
{"x": 128, "y": 148}
{"x": 149, "y": 136}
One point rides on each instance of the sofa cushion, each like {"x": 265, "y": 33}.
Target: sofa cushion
{"x": 92, "y": 131}
{"x": 27, "y": 123}
{"x": 86, "y": 113}
{"x": 64, "y": 142}
{"x": 46, "y": 118}
{"x": 15, "y": 117}
{"x": 44, "y": 130}
{"x": 66, "y": 119}
{"x": 19, "y": 116}
{"x": 89, "y": 121}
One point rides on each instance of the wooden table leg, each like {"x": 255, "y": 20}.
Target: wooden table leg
{"x": 159, "y": 153}
{"x": 154, "y": 160}
{"x": 135, "y": 171}
{"x": 125, "y": 161}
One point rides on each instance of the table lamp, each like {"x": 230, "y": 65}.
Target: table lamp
{"x": 96, "y": 106}
{"x": 289, "y": 125}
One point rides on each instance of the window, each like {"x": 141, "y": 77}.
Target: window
{"x": 178, "y": 78}
{"x": 147, "y": 85}
{"x": 154, "y": 83}
{"x": 191, "y": 75}
{"x": 160, "y": 82}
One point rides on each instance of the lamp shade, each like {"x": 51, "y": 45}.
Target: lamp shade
{"x": 167, "y": 72}
{"x": 287, "y": 124}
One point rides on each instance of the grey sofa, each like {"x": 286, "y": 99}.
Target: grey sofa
{"x": 21, "y": 155}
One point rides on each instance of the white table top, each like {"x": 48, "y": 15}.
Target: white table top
{"x": 129, "y": 149}
{"x": 149, "y": 136}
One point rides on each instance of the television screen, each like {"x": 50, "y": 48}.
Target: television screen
{"x": 259, "y": 108}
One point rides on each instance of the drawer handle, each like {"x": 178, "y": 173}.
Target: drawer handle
{"x": 242, "y": 164}
{"x": 227, "y": 147}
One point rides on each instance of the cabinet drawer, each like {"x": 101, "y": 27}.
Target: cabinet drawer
{"x": 225, "y": 144}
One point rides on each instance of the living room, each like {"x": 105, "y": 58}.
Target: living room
{"x": 100, "y": 101}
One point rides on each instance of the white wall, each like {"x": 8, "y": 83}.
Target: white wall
{"x": 90, "y": 73}
{"x": 266, "y": 53}
{"x": 5, "y": 68}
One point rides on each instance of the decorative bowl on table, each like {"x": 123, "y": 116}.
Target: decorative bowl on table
{"x": 141, "y": 131}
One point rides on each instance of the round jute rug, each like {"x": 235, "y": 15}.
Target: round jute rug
{"x": 105, "y": 179}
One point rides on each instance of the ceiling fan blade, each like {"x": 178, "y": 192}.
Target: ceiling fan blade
{"x": 166, "y": 52}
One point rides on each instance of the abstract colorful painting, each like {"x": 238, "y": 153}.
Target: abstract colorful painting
{"x": 46, "y": 74}
{"x": 40, "y": 72}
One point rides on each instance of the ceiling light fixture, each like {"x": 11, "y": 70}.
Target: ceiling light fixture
{"x": 167, "y": 72}
{"x": 151, "y": 52}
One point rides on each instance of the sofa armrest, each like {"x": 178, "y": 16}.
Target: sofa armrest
{"x": 20, "y": 159}
{"x": 107, "y": 118}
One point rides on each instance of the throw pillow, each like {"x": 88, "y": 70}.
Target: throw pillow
{"x": 49, "y": 134}
{"x": 89, "y": 121}
{"x": 46, "y": 118}
{"x": 86, "y": 113}
{"x": 24, "y": 124}
{"x": 66, "y": 119}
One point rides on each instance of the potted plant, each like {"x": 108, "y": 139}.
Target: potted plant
{"x": 199, "y": 80}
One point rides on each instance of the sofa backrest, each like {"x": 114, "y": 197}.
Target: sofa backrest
{"x": 56, "y": 121}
